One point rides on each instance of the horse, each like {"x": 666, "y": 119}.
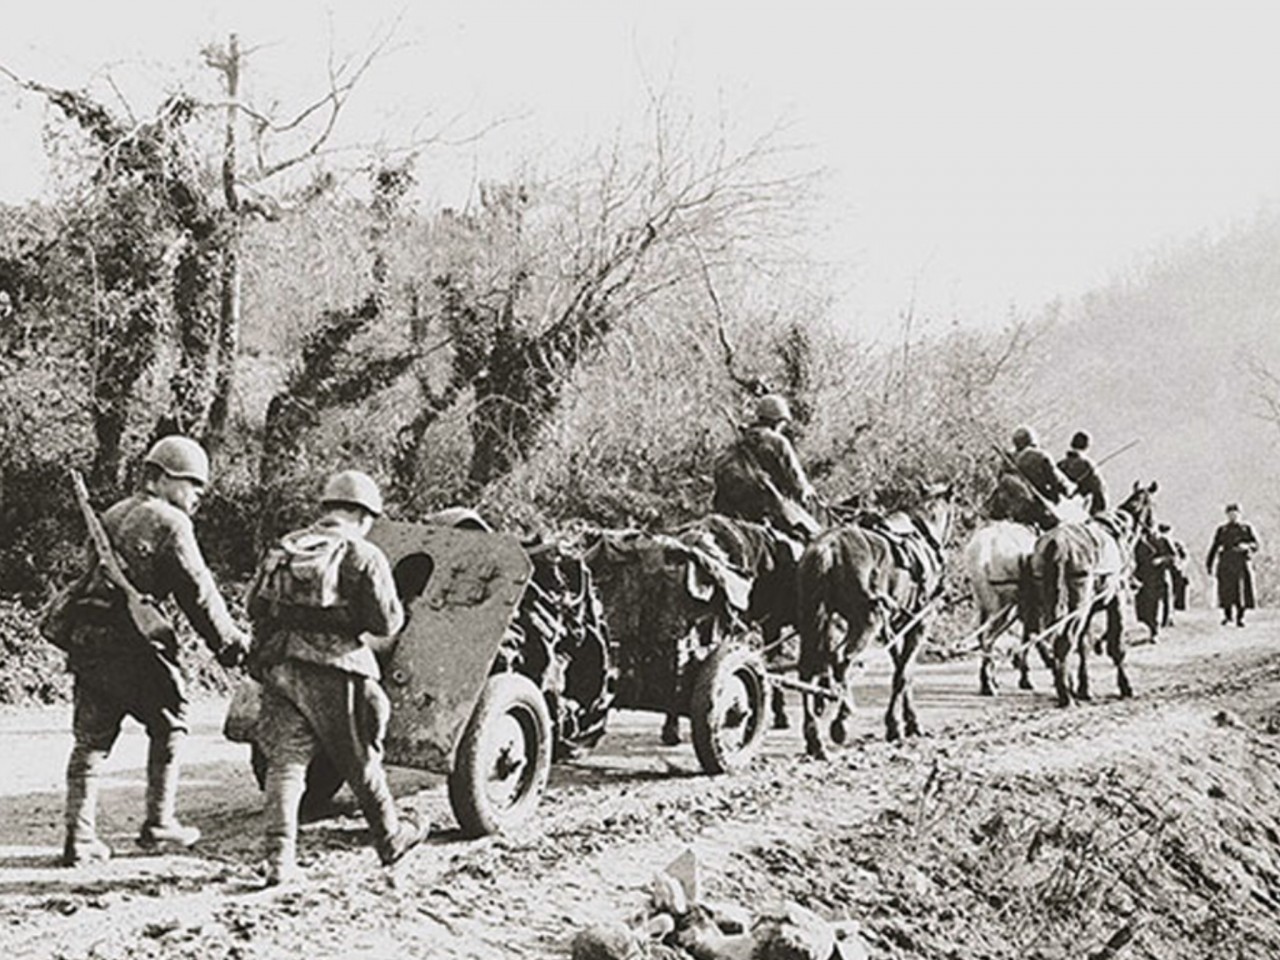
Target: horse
{"x": 768, "y": 560}
{"x": 1075, "y": 571}
{"x": 993, "y": 559}
{"x": 877, "y": 579}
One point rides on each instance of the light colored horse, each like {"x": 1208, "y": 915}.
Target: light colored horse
{"x": 994, "y": 559}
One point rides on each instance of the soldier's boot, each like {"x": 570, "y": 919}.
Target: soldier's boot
{"x": 160, "y": 827}
{"x": 408, "y": 834}
{"x": 82, "y": 844}
{"x": 284, "y": 788}
{"x": 395, "y": 834}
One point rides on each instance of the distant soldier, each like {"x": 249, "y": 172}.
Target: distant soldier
{"x": 1233, "y": 544}
{"x": 317, "y": 592}
{"x": 117, "y": 672}
{"x": 761, "y": 479}
{"x": 1077, "y": 467}
{"x": 1175, "y": 556}
{"x": 1178, "y": 575}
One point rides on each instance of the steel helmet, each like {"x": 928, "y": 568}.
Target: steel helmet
{"x": 354, "y": 488}
{"x": 772, "y": 408}
{"x": 1023, "y": 437}
{"x": 180, "y": 457}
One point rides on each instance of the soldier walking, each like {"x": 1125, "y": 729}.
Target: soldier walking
{"x": 317, "y": 591}
{"x": 117, "y": 672}
{"x": 1233, "y": 544}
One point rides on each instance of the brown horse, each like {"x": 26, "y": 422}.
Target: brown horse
{"x": 1075, "y": 571}
{"x": 766, "y": 560}
{"x": 879, "y": 580}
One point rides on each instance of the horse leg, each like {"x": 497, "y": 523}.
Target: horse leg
{"x": 1082, "y": 667}
{"x": 987, "y": 682}
{"x": 891, "y": 730}
{"x": 839, "y": 733}
{"x": 777, "y": 698}
{"x": 813, "y": 744}
{"x": 1062, "y": 639}
{"x": 1115, "y": 646}
{"x": 1023, "y": 659}
{"x": 987, "y": 634}
{"x": 909, "y": 647}
{"x": 671, "y": 729}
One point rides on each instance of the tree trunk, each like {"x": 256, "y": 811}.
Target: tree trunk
{"x": 229, "y": 314}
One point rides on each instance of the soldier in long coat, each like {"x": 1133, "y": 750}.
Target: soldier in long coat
{"x": 1233, "y": 544}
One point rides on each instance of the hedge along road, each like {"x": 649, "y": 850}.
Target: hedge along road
{"x": 608, "y": 821}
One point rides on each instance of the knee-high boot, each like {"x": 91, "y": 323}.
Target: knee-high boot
{"x": 285, "y": 785}
{"x": 82, "y": 844}
{"x": 161, "y": 825}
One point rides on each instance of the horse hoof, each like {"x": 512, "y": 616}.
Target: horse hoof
{"x": 817, "y": 752}
{"x": 780, "y": 722}
{"x": 670, "y": 737}
{"x": 1025, "y": 685}
{"x": 986, "y": 691}
{"x": 838, "y": 732}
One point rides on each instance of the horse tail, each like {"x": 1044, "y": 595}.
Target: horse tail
{"x": 1055, "y": 580}
{"x": 1030, "y": 609}
{"x": 813, "y": 604}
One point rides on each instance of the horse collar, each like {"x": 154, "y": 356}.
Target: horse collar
{"x": 924, "y": 531}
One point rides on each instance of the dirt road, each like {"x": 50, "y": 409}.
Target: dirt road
{"x": 1148, "y": 827}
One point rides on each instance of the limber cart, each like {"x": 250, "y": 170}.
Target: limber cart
{"x": 682, "y": 648}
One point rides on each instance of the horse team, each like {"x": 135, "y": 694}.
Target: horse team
{"x": 882, "y": 578}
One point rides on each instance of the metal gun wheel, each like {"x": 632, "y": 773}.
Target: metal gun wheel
{"x": 727, "y": 710}
{"x": 503, "y": 758}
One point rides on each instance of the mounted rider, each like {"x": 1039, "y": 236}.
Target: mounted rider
{"x": 1038, "y": 468}
{"x": 1077, "y": 467}
{"x": 1030, "y": 485}
{"x": 760, "y": 478}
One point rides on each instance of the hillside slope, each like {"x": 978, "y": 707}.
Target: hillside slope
{"x": 1165, "y": 356}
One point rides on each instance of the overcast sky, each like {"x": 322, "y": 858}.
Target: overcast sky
{"x": 981, "y": 155}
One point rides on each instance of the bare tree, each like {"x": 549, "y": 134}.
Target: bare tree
{"x": 169, "y": 239}
{"x": 550, "y": 270}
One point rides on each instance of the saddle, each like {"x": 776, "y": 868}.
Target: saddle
{"x": 903, "y": 540}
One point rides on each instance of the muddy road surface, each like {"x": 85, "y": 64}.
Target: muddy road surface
{"x": 1141, "y": 828}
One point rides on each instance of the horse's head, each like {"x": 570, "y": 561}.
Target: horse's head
{"x": 1140, "y": 506}
{"x": 935, "y": 510}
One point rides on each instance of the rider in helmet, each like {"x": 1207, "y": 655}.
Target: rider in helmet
{"x": 1037, "y": 467}
{"x": 760, "y": 477}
